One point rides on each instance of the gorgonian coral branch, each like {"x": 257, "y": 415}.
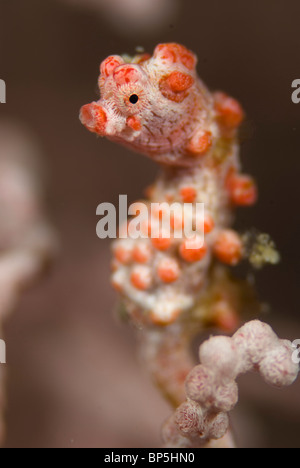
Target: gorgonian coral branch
{"x": 211, "y": 387}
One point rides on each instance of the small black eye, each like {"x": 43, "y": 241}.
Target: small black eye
{"x": 134, "y": 98}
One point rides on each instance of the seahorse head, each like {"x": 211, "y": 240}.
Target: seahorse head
{"x": 151, "y": 104}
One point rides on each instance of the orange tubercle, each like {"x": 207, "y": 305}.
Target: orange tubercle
{"x": 108, "y": 66}
{"x": 126, "y": 74}
{"x": 123, "y": 255}
{"x": 200, "y": 144}
{"x": 168, "y": 270}
{"x": 175, "y": 86}
{"x": 229, "y": 111}
{"x": 242, "y": 189}
{"x": 142, "y": 253}
{"x": 228, "y": 247}
{"x": 134, "y": 123}
{"x": 175, "y": 53}
{"x": 193, "y": 250}
{"x": 188, "y": 194}
{"x": 209, "y": 224}
{"x": 141, "y": 278}
{"x": 94, "y": 118}
{"x": 179, "y": 82}
{"x": 161, "y": 242}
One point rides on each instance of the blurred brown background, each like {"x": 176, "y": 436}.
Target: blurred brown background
{"x": 74, "y": 379}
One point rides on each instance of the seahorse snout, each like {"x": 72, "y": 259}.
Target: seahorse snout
{"x": 94, "y": 117}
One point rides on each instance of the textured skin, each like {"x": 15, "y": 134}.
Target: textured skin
{"x": 175, "y": 116}
{"x": 159, "y": 107}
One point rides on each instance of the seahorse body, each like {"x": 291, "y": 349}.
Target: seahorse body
{"x": 158, "y": 106}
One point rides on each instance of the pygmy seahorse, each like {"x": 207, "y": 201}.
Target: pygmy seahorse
{"x": 159, "y": 107}
{"x": 171, "y": 278}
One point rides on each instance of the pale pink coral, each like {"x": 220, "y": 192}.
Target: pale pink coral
{"x": 211, "y": 388}
{"x": 26, "y": 239}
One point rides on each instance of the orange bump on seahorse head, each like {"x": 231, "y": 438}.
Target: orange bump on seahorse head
{"x": 127, "y": 74}
{"x": 179, "y": 82}
{"x": 94, "y": 118}
{"x": 175, "y": 86}
{"x": 175, "y": 53}
{"x": 134, "y": 123}
{"x": 109, "y": 65}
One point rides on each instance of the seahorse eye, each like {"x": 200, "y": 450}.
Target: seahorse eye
{"x": 134, "y": 99}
